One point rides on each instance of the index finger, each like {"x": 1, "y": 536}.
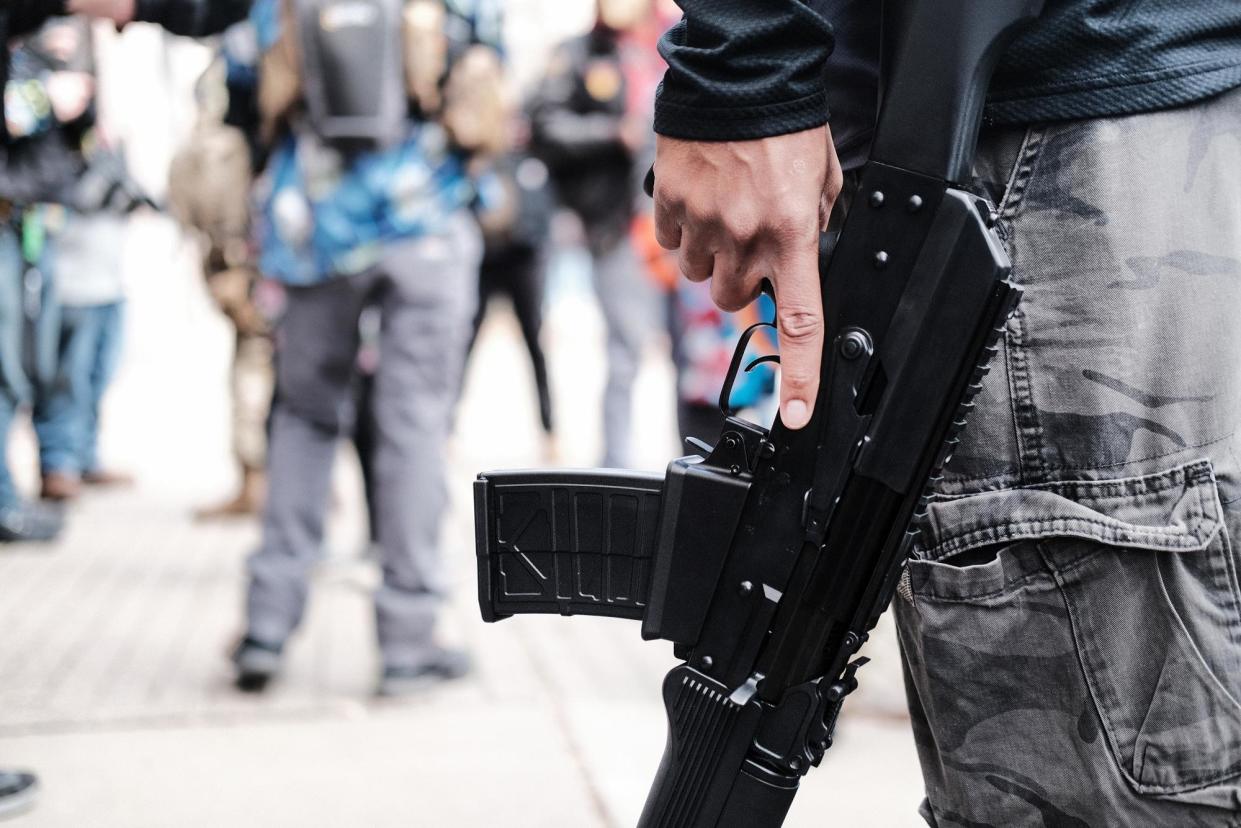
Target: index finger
{"x": 799, "y": 317}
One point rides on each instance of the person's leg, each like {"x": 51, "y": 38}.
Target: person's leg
{"x": 62, "y": 414}
{"x": 9, "y": 497}
{"x": 252, "y": 379}
{"x": 365, "y": 442}
{"x": 1072, "y": 625}
{"x": 491, "y": 271}
{"x": 314, "y": 369}
{"x": 427, "y": 311}
{"x": 104, "y": 363}
{"x": 626, "y": 301}
{"x": 19, "y": 521}
{"x": 525, "y": 284}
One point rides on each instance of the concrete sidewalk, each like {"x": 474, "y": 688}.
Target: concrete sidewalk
{"x": 113, "y": 677}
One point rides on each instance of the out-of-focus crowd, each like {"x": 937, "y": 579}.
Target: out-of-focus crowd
{"x": 361, "y": 178}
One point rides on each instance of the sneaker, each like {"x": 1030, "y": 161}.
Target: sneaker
{"x": 17, "y": 792}
{"x": 440, "y": 665}
{"x": 27, "y": 522}
{"x": 257, "y": 663}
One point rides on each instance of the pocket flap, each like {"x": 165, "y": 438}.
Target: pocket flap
{"x": 1177, "y": 510}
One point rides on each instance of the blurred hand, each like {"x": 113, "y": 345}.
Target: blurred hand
{"x": 119, "y": 11}
{"x": 70, "y": 94}
{"x": 739, "y": 212}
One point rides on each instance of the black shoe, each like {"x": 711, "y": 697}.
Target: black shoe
{"x": 257, "y": 664}
{"x": 17, "y": 792}
{"x": 30, "y": 522}
{"x": 440, "y": 664}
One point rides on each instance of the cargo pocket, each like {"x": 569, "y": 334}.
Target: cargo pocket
{"x": 1149, "y": 580}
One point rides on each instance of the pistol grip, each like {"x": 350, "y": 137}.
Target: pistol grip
{"x": 705, "y": 779}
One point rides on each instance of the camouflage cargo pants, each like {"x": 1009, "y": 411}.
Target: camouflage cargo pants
{"x": 1072, "y": 628}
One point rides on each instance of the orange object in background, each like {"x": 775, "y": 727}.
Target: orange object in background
{"x": 661, "y": 266}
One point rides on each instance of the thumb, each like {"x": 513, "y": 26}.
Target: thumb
{"x": 799, "y": 318}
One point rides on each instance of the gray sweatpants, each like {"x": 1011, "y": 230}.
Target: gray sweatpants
{"x": 629, "y": 307}
{"x": 426, "y": 290}
{"x": 1072, "y": 629}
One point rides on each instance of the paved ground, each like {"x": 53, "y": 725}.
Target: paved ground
{"x": 113, "y": 682}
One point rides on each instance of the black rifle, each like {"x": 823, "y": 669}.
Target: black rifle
{"x": 768, "y": 562}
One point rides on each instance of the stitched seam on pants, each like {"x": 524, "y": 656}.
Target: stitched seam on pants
{"x": 1122, "y": 488}
{"x": 1004, "y": 481}
{"x": 1030, "y": 442}
{"x": 1097, "y": 693}
{"x": 1008, "y": 588}
{"x": 1031, "y": 445}
{"x": 1019, "y": 177}
{"x": 1098, "y": 531}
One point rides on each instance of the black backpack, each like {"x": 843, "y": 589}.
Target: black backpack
{"x": 353, "y": 69}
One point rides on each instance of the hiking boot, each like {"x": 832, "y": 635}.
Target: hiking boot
{"x": 17, "y": 792}
{"x": 248, "y": 502}
{"x": 440, "y": 665}
{"x": 30, "y": 522}
{"x": 257, "y": 663}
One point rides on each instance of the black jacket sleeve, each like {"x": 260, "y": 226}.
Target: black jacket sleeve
{"x": 26, "y": 15}
{"x": 744, "y": 69}
{"x": 192, "y": 18}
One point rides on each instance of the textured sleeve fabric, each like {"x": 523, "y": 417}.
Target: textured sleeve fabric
{"x": 192, "y": 18}
{"x": 744, "y": 69}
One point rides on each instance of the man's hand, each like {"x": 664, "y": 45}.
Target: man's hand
{"x": 118, "y": 11}
{"x": 740, "y": 212}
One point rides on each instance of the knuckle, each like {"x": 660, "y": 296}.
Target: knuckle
{"x": 744, "y": 227}
{"x": 690, "y": 269}
{"x": 799, "y": 326}
{"x": 702, "y": 215}
{"x": 730, "y": 293}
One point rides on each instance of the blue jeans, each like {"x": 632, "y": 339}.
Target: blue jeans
{"x": 24, "y": 349}
{"x": 66, "y": 414}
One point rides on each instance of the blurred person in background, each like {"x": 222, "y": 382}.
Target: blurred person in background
{"x": 18, "y": 520}
{"x": 82, "y": 235}
{"x": 46, "y": 114}
{"x": 588, "y": 130}
{"x": 357, "y": 212}
{"x": 354, "y": 212}
{"x": 514, "y": 210}
{"x": 209, "y": 190}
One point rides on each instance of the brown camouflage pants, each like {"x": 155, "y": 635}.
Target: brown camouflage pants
{"x": 1072, "y": 628}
